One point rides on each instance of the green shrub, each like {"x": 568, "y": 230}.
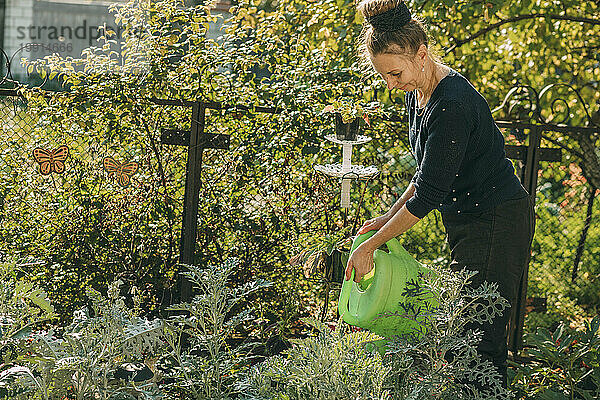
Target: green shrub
{"x": 198, "y": 362}
{"x": 565, "y": 364}
{"x": 82, "y": 361}
{"x": 359, "y": 365}
{"x": 23, "y": 307}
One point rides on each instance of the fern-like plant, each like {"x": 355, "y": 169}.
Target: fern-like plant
{"x": 331, "y": 365}
{"x": 81, "y": 362}
{"x": 199, "y": 362}
{"x": 359, "y": 365}
{"x": 441, "y": 361}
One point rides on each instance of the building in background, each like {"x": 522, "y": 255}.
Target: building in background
{"x": 32, "y": 29}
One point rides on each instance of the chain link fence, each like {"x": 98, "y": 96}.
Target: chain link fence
{"x": 117, "y": 219}
{"x": 565, "y": 256}
{"x": 78, "y": 209}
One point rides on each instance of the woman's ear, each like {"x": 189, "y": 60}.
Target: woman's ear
{"x": 422, "y": 53}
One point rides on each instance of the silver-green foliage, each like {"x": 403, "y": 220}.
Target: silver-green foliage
{"x": 329, "y": 366}
{"x": 441, "y": 361}
{"x": 201, "y": 363}
{"x": 22, "y": 307}
{"x": 81, "y": 362}
{"x": 359, "y": 365}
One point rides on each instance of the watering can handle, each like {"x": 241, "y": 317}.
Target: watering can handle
{"x": 393, "y": 245}
{"x": 344, "y": 299}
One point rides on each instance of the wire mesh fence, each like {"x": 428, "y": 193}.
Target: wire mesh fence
{"x": 563, "y": 199}
{"x": 119, "y": 205}
{"x": 88, "y": 207}
{"x": 565, "y": 256}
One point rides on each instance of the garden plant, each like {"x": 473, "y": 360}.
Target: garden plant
{"x": 89, "y": 304}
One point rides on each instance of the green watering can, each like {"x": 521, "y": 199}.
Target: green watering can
{"x": 389, "y": 299}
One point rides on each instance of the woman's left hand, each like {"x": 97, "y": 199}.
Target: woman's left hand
{"x": 361, "y": 260}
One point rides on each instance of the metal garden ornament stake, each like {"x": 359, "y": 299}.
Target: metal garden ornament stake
{"x": 346, "y": 135}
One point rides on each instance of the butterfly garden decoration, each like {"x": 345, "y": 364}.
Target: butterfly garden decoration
{"x": 51, "y": 160}
{"x": 123, "y": 171}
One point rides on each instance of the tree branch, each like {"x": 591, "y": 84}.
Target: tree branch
{"x": 520, "y": 18}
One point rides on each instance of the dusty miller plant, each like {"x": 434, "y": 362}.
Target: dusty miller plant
{"x": 199, "y": 361}
{"x": 81, "y": 362}
{"x": 331, "y": 365}
{"x": 360, "y": 365}
{"x": 440, "y": 360}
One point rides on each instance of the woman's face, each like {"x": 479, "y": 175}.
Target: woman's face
{"x": 400, "y": 71}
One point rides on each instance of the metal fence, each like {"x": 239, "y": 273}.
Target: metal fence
{"x": 70, "y": 195}
{"x": 565, "y": 239}
{"x": 33, "y": 204}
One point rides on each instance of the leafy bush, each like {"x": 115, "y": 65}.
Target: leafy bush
{"x": 565, "y": 364}
{"x": 22, "y": 308}
{"x": 198, "y": 361}
{"x": 329, "y": 365}
{"x": 86, "y": 360}
{"x": 340, "y": 365}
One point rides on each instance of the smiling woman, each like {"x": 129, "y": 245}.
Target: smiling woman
{"x": 398, "y": 47}
{"x": 462, "y": 169}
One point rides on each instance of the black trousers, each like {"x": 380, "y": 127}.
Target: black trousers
{"x": 496, "y": 244}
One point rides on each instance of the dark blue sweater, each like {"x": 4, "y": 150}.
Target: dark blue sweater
{"x": 461, "y": 163}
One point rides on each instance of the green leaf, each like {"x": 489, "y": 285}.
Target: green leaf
{"x": 551, "y": 394}
{"x": 310, "y": 149}
{"x": 36, "y": 295}
{"x": 22, "y": 333}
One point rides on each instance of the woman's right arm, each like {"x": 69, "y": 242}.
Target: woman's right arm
{"x": 380, "y": 221}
